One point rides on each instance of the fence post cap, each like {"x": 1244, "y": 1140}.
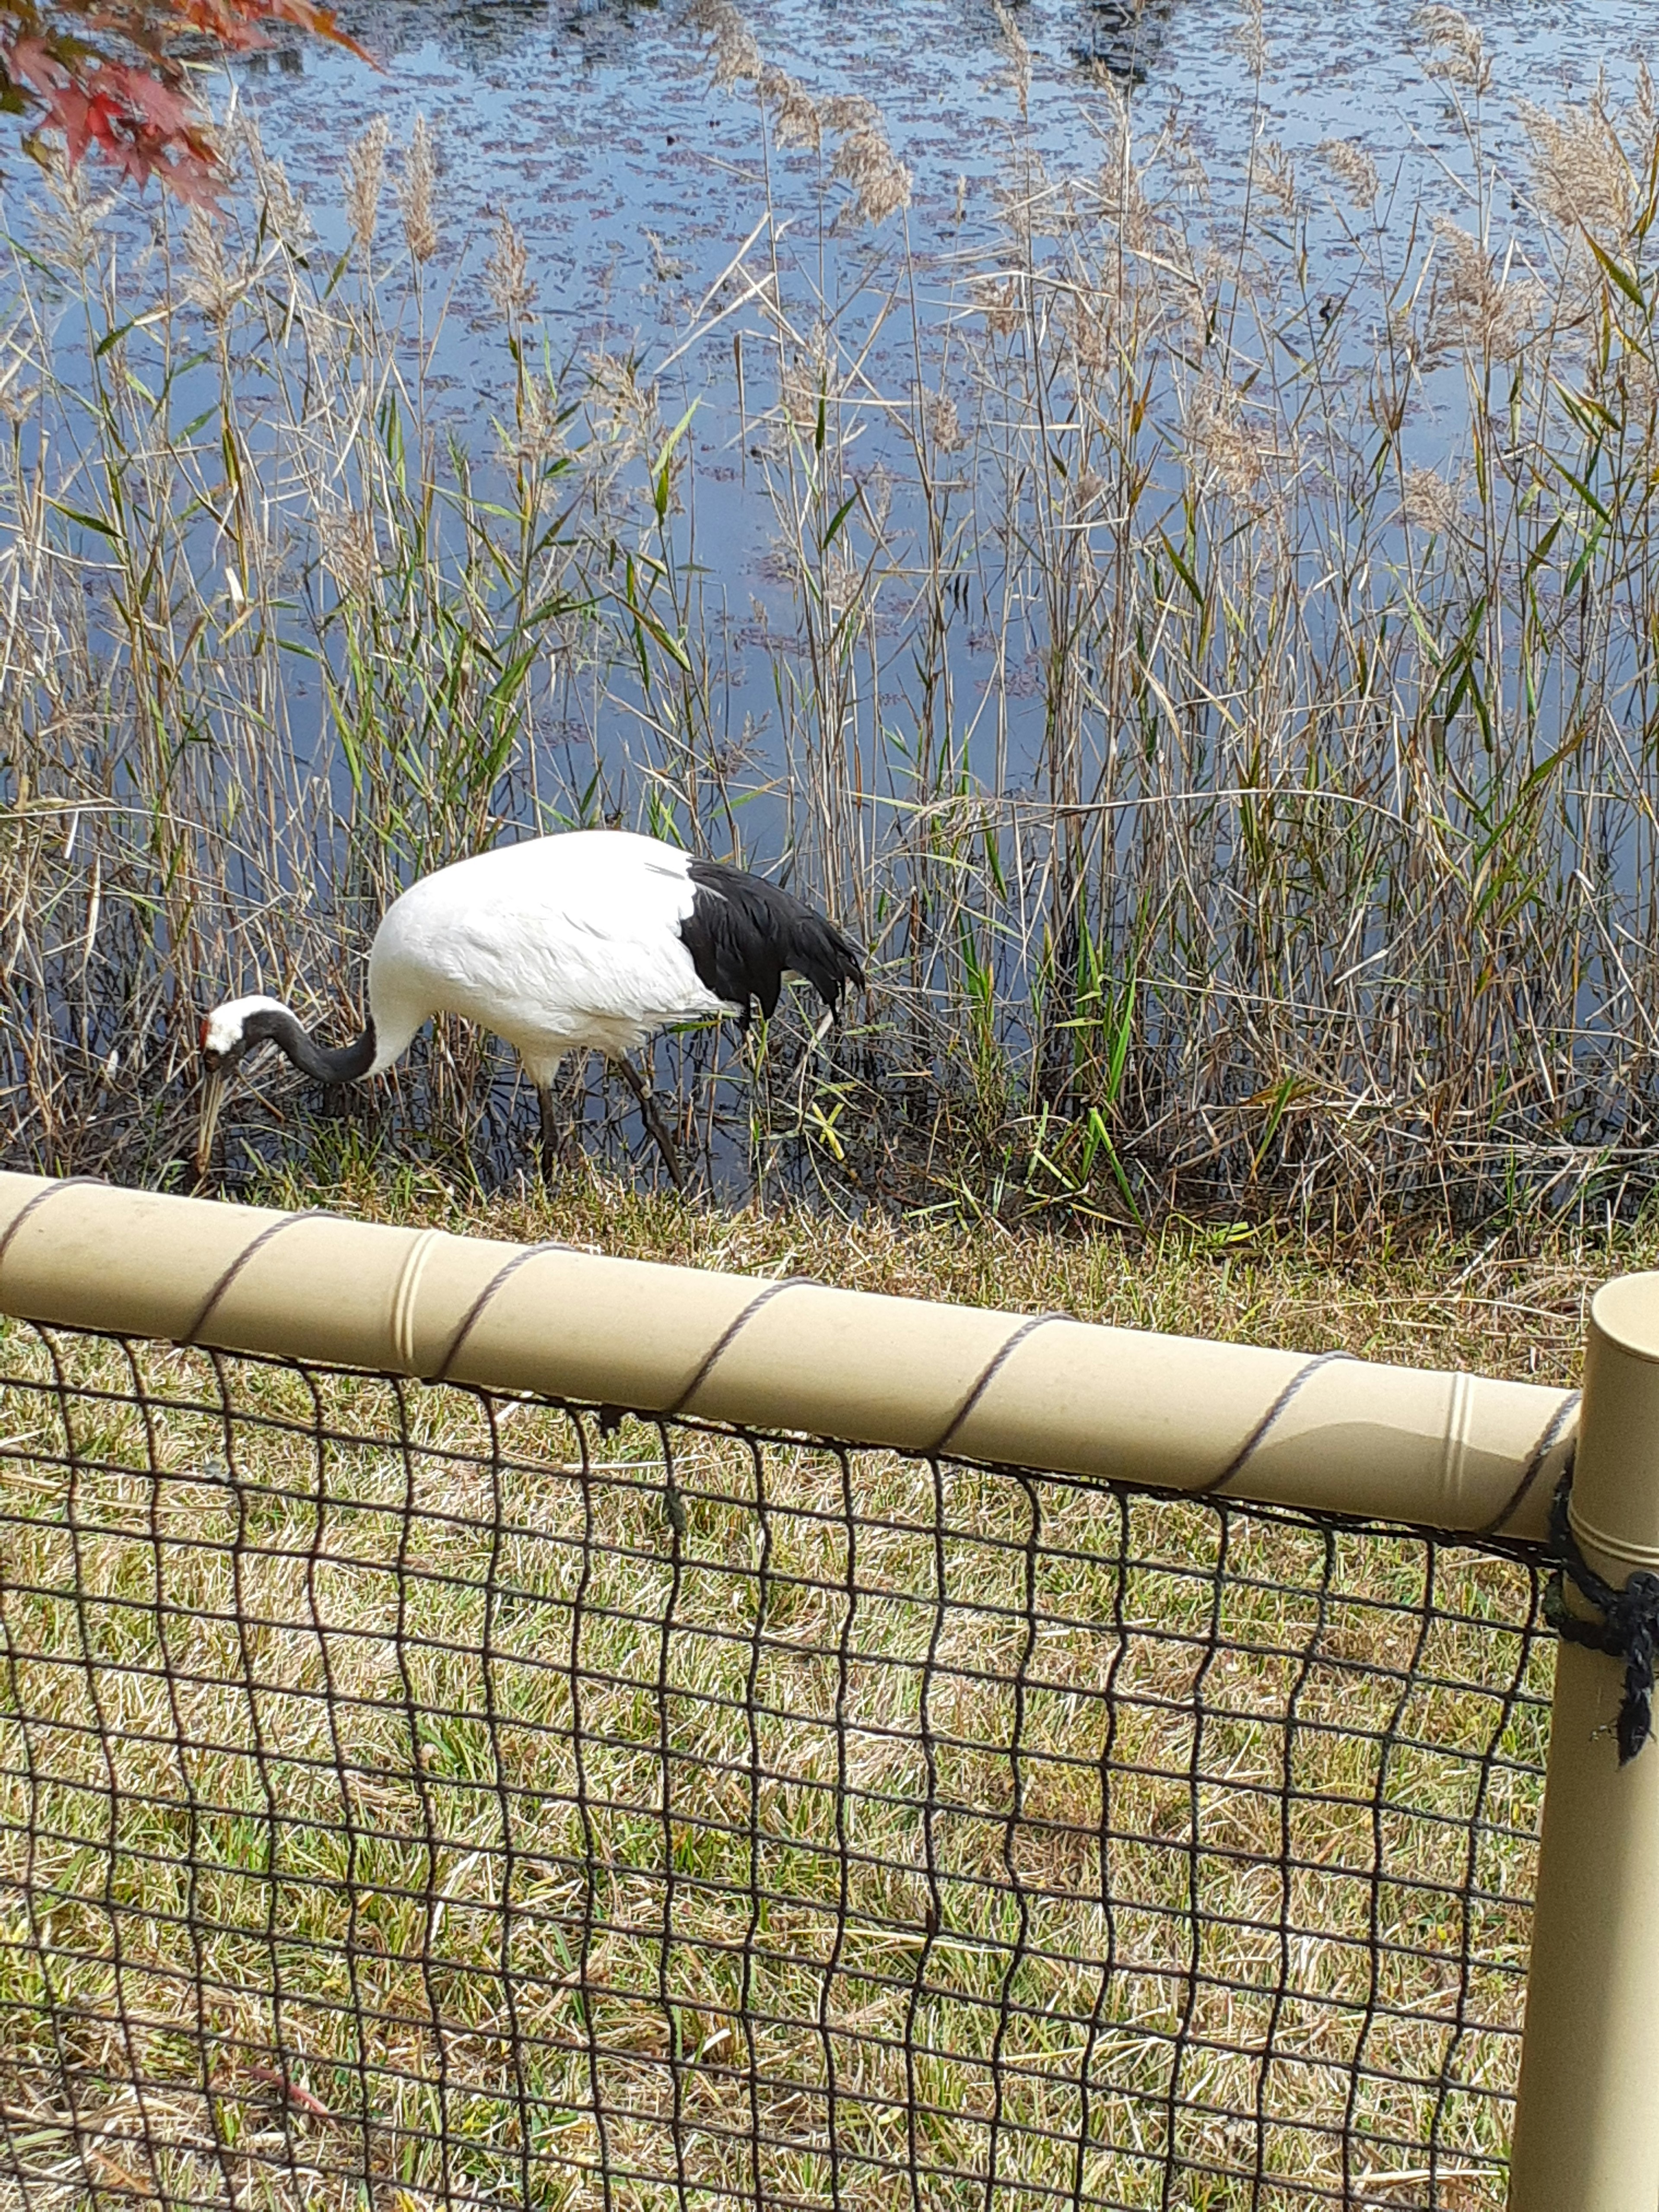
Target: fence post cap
{"x": 1625, "y": 1312}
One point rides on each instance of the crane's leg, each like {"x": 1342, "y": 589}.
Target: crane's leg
{"x": 560, "y": 1131}
{"x": 654, "y": 1121}
{"x": 550, "y": 1132}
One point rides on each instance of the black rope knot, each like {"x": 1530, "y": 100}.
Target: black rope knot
{"x": 1628, "y": 1628}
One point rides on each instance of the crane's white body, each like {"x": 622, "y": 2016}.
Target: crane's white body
{"x": 558, "y": 945}
{"x": 587, "y": 942}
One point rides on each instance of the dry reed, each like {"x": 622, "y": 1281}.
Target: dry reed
{"x": 1217, "y": 690}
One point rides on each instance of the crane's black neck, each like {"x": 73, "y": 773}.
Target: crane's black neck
{"x": 346, "y": 1063}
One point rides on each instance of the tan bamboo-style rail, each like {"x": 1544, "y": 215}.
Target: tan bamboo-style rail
{"x": 1441, "y": 1451}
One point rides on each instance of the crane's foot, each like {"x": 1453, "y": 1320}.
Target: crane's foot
{"x": 654, "y": 1121}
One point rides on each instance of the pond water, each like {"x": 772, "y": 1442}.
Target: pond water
{"x": 636, "y": 182}
{"x": 597, "y": 129}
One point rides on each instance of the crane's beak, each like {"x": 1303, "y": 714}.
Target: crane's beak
{"x": 213, "y": 1097}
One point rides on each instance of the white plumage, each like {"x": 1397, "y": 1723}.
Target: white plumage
{"x": 587, "y": 942}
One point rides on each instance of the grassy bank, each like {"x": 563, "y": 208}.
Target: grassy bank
{"x": 1508, "y": 1303}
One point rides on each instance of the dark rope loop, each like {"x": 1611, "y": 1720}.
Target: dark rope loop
{"x": 1628, "y": 1628}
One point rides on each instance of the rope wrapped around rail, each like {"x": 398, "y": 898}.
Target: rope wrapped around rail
{"x": 1628, "y": 1629}
{"x": 1326, "y": 1432}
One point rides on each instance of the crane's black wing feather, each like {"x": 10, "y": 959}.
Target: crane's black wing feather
{"x": 742, "y": 933}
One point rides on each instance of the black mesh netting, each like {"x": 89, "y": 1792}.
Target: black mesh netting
{"x": 409, "y": 1797}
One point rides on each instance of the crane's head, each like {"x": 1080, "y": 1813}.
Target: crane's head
{"x": 228, "y": 1034}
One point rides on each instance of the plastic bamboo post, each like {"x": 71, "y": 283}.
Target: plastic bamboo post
{"x": 1587, "y": 2125}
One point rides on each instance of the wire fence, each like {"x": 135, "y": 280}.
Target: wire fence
{"x": 415, "y": 1796}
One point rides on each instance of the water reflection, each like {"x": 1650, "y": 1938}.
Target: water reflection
{"x": 1122, "y": 37}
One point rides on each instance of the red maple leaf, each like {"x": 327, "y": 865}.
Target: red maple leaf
{"x": 107, "y": 76}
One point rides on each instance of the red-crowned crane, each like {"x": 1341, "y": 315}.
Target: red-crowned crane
{"x": 586, "y": 942}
